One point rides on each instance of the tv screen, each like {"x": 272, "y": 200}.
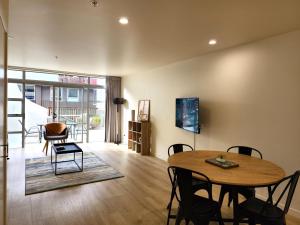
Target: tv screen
{"x": 187, "y": 114}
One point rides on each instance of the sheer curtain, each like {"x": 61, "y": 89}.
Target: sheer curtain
{"x": 112, "y": 111}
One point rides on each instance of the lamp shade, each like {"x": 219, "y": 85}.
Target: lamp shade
{"x": 118, "y": 101}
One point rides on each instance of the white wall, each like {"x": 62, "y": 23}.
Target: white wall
{"x": 250, "y": 95}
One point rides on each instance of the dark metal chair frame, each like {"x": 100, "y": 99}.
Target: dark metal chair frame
{"x": 192, "y": 207}
{"x": 268, "y": 212}
{"x": 245, "y": 150}
{"x": 247, "y": 192}
{"x": 197, "y": 184}
{"x": 178, "y": 148}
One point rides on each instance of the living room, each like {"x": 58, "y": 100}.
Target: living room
{"x": 247, "y": 83}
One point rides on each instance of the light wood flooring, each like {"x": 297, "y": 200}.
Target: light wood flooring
{"x": 140, "y": 198}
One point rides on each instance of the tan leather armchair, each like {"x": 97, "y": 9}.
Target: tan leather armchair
{"x": 55, "y": 132}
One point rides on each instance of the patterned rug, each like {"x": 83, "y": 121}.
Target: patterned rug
{"x": 39, "y": 175}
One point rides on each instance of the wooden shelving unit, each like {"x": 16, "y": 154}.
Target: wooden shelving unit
{"x": 139, "y": 137}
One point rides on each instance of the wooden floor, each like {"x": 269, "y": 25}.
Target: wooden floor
{"x": 140, "y": 198}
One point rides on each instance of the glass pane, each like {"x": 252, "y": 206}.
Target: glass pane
{"x": 14, "y": 124}
{"x": 72, "y": 94}
{"x": 37, "y": 111}
{"x": 30, "y": 92}
{"x": 14, "y": 90}
{"x": 97, "y": 114}
{"x": 73, "y": 79}
{"x": 42, "y": 76}
{"x": 38, "y": 104}
{"x": 68, "y": 109}
{"x": 15, "y": 74}
{"x": 14, "y": 107}
{"x": 98, "y": 81}
{"x": 15, "y": 140}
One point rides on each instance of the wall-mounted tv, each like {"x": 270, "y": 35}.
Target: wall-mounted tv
{"x": 187, "y": 114}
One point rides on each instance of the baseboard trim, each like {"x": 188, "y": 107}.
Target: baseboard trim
{"x": 292, "y": 211}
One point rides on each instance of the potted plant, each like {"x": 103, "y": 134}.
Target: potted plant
{"x": 95, "y": 122}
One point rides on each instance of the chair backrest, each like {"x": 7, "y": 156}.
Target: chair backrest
{"x": 244, "y": 150}
{"x": 55, "y": 128}
{"x": 184, "y": 181}
{"x": 176, "y": 148}
{"x": 289, "y": 189}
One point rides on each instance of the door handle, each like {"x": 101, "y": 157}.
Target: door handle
{"x": 5, "y": 152}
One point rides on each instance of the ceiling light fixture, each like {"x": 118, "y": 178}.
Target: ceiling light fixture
{"x": 212, "y": 42}
{"x": 123, "y": 20}
{"x": 94, "y": 3}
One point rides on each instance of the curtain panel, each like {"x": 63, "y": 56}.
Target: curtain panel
{"x": 112, "y": 111}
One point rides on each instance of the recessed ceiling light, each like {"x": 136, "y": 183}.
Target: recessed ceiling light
{"x": 94, "y": 3}
{"x": 212, "y": 42}
{"x": 123, "y": 20}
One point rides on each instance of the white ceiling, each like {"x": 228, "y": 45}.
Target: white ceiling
{"x": 88, "y": 39}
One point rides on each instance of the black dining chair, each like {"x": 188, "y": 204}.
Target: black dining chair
{"x": 247, "y": 192}
{"x": 268, "y": 212}
{"x": 196, "y": 183}
{"x": 192, "y": 207}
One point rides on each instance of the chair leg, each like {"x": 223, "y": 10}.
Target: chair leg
{"x": 178, "y": 217}
{"x": 229, "y": 199}
{"x": 169, "y": 215}
{"x": 201, "y": 221}
{"x": 169, "y": 212}
{"x": 221, "y": 196}
{"x": 169, "y": 207}
{"x": 219, "y": 218}
{"x": 171, "y": 200}
{"x": 44, "y": 146}
{"x": 47, "y": 148}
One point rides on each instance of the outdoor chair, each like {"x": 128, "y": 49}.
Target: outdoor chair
{"x": 55, "y": 132}
{"x": 32, "y": 131}
{"x": 247, "y": 192}
{"x": 80, "y": 128}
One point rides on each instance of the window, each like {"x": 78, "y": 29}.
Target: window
{"x": 98, "y": 81}
{"x": 30, "y": 92}
{"x": 59, "y": 92}
{"x": 42, "y": 76}
{"x": 15, "y": 74}
{"x": 73, "y": 95}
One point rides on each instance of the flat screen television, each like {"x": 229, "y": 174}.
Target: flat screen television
{"x": 187, "y": 114}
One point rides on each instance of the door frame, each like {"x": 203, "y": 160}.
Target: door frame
{"x": 54, "y": 84}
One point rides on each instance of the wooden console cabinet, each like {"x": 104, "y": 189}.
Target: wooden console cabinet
{"x": 139, "y": 137}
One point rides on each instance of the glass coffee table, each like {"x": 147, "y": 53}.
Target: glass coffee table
{"x": 66, "y": 148}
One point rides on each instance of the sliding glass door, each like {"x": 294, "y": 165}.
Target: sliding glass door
{"x": 68, "y": 108}
{"x": 96, "y": 112}
{"x": 37, "y": 98}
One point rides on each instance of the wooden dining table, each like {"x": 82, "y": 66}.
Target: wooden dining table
{"x": 251, "y": 172}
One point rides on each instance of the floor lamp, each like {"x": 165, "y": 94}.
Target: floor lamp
{"x": 118, "y": 102}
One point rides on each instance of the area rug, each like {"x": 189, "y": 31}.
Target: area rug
{"x": 39, "y": 173}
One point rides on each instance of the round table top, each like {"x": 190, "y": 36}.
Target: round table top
{"x": 251, "y": 171}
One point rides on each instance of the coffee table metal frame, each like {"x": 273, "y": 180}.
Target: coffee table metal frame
{"x": 69, "y": 150}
